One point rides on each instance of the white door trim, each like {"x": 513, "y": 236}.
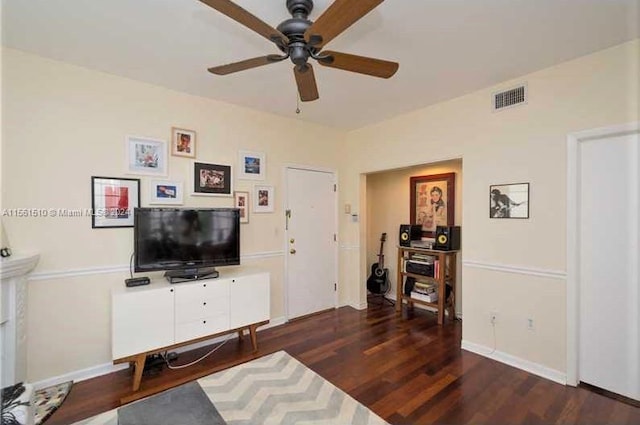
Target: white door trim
{"x": 573, "y": 242}
{"x": 285, "y": 192}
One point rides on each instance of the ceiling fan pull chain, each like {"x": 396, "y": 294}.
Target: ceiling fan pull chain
{"x": 298, "y": 104}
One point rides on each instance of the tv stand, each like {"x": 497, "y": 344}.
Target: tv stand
{"x": 161, "y": 317}
{"x": 190, "y": 275}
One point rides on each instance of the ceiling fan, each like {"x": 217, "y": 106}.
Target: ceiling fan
{"x": 300, "y": 39}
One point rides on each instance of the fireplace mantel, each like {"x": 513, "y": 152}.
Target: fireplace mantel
{"x": 13, "y": 312}
{"x": 17, "y": 265}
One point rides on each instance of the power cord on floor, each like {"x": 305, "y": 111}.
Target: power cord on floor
{"x": 216, "y": 348}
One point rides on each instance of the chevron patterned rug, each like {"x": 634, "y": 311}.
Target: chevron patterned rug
{"x": 278, "y": 389}
{"x": 275, "y": 389}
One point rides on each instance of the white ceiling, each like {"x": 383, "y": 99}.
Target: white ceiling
{"x": 445, "y": 48}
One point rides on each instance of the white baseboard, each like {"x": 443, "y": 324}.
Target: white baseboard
{"x": 358, "y": 306}
{"x": 526, "y": 365}
{"x": 106, "y": 368}
{"x": 80, "y": 375}
{"x": 353, "y": 304}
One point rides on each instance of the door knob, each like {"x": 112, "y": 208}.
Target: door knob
{"x": 292, "y": 251}
{"x": 292, "y": 240}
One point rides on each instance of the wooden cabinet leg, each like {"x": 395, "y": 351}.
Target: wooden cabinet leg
{"x": 452, "y": 306}
{"x": 138, "y": 369}
{"x": 399, "y": 282}
{"x": 254, "y": 337}
{"x": 442, "y": 290}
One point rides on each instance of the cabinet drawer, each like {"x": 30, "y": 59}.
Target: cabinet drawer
{"x": 201, "y": 327}
{"x": 198, "y": 301}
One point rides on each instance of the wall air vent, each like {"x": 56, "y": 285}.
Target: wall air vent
{"x": 510, "y": 98}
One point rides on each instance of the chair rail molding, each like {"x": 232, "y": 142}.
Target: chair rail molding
{"x": 508, "y": 268}
{"x": 124, "y": 268}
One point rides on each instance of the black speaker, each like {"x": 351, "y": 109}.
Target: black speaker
{"x": 447, "y": 238}
{"x": 408, "y": 233}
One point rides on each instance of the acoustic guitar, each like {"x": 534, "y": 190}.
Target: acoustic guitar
{"x": 378, "y": 281}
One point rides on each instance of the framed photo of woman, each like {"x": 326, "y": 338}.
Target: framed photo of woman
{"x": 183, "y": 142}
{"x": 432, "y": 201}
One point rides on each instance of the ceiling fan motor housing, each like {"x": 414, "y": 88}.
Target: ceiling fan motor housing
{"x": 294, "y": 28}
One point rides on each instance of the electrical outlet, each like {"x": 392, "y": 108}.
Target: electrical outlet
{"x": 530, "y": 323}
{"x": 493, "y": 317}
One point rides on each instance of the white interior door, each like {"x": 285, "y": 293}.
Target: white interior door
{"x": 609, "y": 298}
{"x": 311, "y": 247}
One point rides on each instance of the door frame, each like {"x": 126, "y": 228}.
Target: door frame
{"x": 285, "y": 197}
{"x": 573, "y": 239}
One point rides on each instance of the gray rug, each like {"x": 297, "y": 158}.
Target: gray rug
{"x": 187, "y": 405}
{"x": 184, "y": 405}
{"x": 275, "y": 389}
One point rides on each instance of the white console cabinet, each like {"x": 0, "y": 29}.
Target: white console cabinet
{"x": 152, "y": 318}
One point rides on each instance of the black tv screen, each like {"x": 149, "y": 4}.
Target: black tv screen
{"x": 176, "y": 238}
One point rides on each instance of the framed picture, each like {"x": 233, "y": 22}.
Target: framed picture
{"x": 146, "y": 156}
{"x": 113, "y": 200}
{"x": 241, "y": 201}
{"x": 252, "y": 165}
{"x": 212, "y": 179}
{"x": 509, "y": 200}
{"x": 164, "y": 192}
{"x": 432, "y": 201}
{"x": 183, "y": 142}
{"x": 263, "y": 199}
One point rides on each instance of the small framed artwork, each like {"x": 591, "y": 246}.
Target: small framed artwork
{"x": 212, "y": 179}
{"x": 263, "y": 199}
{"x": 242, "y": 203}
{"x": 509, "y": 200}
{"x": 164, "y": 192}
{"x": 432, "y": 201}
{"x": 183, "y": 142}
{"x": 146, "y": 156}
{"x": 112, "y": 201}
{"x": 253, "y": 165}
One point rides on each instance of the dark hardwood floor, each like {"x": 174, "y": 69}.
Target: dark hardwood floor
{"x": 407, "y": 371}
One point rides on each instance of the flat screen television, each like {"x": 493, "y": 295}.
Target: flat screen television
{"x": 187, "y": 243}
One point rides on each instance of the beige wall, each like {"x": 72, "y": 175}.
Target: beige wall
{"x": 63, "y": 124}
{"x": 388, "y": 198}
{"x": 523, "y": 144}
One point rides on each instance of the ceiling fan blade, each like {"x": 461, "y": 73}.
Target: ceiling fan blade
{"x": 240, "y": 15}
{"x": 306, "y": 81}
{"x": 337, "y": 18}
{"x": 360, "y": 64}
{"x": 245, "y": 64}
